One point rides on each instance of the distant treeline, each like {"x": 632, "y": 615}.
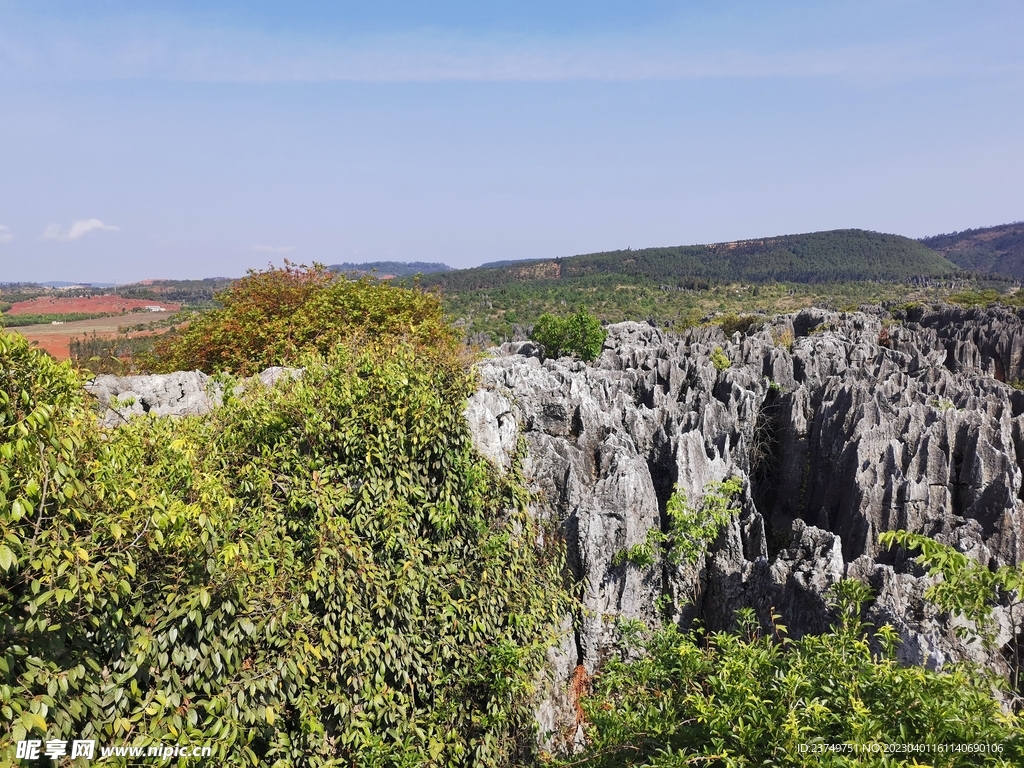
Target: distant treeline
{"x": 819, "y": 257}
{"x": 198, "y": 294}
{"x": 17, "y": 321}
{"x": 190, "y": 293}
{"x": 396, "y": 268}
{"x": 990, "y": 250}
{"x": 195, "y": 294}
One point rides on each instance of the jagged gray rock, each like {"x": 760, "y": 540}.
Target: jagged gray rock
{"x": 184, "y": 393}
{"x": 841, "y": 425}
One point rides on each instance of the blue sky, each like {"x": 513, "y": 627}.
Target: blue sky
{"x": 192, "y": 139}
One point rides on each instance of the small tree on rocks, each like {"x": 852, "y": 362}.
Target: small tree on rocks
{"x": 579, "y": 334}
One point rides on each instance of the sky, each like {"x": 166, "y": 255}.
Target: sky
{"x": 143, "y": 139}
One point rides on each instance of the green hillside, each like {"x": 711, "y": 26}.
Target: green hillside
{"x": 989, "y": 250}
{"x": 396, "y": 268}
{"x": 835, "y": 256}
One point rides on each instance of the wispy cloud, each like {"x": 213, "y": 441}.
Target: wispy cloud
{"x": 79, "y": 229}
{"x": 5, "y": 234}
{"x": 274, "y": 248}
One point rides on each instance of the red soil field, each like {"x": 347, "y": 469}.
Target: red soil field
{"x": 62, "y": 305}
{"x": 57, "y": 347}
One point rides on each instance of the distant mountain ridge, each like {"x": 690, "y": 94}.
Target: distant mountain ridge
{"x": 832, "y": 256}
{"x": 396, "y": 268}
{"x": 989, "y": 250}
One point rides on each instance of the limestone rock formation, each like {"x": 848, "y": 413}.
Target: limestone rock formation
{"x": 183, "y": 393}
{"x": 840, "y": 425}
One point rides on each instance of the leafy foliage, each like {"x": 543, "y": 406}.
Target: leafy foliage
{"x": 579, "y": 334}
{"x": 719, "y": 359}
{"x": 690, "y": 529}
{"x": 322, "y": 573}
{"x": 745, "y": 699}
{"x": 270, "y": 318}
{"x": 693, "y": 530}
{"x": 733, "y": 323}
{"x": 969, "y": 588}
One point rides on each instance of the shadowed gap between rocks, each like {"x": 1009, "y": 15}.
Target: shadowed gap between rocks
{"x": 764, "y": 462}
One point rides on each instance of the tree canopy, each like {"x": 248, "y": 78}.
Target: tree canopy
{"x": 271, "y": 317}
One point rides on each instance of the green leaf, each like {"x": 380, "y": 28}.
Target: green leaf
{"x": 7, "y": 558}
{"x": 33, "y": 721}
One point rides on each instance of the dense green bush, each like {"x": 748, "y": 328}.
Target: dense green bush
{"x": 732, "y": 323}
{"x": 748, "y": 698}
{"x": 272, "y": 317}
{"x": 322, "y": 573}
{"x": 579, "y": 334}
{"x": 720, "y": 360}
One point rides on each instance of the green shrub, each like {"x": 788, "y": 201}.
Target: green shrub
{"x": 720, "y": 360}
{"x": 579, "y": 334}
{"x": 747, "y": 698}
{"x": 971, "y": 589}
{"x": 690, "y": 530}
{"x": 272, "y": 317}
{"x": 322, "y": 573}
{"x": 743, "y": 323}
{"x": 783, "y": 339}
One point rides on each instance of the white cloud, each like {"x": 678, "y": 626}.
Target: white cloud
{"x": 5, "y": 234}
{"x": 274, "y": 248}
{"x": 79, "y": 229}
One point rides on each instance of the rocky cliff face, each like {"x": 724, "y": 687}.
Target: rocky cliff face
{"x": 839, "y": 425}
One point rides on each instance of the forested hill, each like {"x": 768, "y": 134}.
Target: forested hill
{"x": 396, "y": 268}
{"x": 838, "y": 255}
{"x": 998, "y": 250}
